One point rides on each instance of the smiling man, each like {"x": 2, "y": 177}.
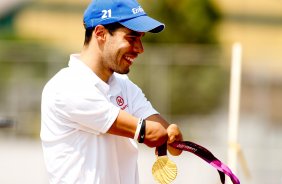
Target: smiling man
{"x": 93, "y": 116}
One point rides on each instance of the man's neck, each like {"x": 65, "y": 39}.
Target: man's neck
{"x": 93, "y": 61}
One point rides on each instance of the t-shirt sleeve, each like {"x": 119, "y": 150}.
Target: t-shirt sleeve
{"x": 140, "y": 105}
{"x": 86, "y": 110}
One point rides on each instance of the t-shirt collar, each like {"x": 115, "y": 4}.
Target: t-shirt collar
{"x": 111, "y": 88}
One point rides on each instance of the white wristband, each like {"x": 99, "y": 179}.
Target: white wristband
{"x": 137, "y": 132}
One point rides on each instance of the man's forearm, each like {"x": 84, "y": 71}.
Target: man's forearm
{"x": 158, "y": 118}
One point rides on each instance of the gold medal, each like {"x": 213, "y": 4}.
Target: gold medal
{"x": 164, "y": 170}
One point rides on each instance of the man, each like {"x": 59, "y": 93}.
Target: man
{"x": 92, "y": 114}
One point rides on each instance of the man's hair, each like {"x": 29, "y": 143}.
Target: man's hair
{"x": 110, "y": 27}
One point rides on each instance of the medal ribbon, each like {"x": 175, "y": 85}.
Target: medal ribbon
{"x": 208, "y": 157}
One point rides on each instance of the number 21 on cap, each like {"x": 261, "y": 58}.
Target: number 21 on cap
{"x": 106, "y": 14}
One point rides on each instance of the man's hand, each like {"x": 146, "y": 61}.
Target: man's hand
{"x": 174, "y": 134}
{"x": 156, "y": 134}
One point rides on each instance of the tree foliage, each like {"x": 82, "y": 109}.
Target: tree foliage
{"x": 187, "y": 21}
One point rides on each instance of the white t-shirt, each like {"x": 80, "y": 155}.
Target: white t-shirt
{"x": 77, "y": 110}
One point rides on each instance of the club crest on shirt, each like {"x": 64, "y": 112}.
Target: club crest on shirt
{"x": 120, "y": 102}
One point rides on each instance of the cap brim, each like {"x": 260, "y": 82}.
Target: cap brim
{"x": 143, "y": 24}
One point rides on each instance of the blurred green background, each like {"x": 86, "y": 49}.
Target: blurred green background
{"x": 185, "y": 72}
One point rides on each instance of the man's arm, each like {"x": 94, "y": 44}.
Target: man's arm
{"x": 173, "y": 132}
{"x": 125, "y": 125}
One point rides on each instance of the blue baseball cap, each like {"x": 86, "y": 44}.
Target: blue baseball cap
{"x": 126, "y": 12}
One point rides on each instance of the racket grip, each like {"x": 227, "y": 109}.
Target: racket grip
{"x": 162, "y": 150}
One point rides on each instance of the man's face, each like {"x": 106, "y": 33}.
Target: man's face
{"x": 121, "y": 49}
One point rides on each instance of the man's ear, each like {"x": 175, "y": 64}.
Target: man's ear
{"x": 100, "y": 32}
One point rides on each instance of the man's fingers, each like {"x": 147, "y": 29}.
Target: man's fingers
{"x": 171, "y": 138}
